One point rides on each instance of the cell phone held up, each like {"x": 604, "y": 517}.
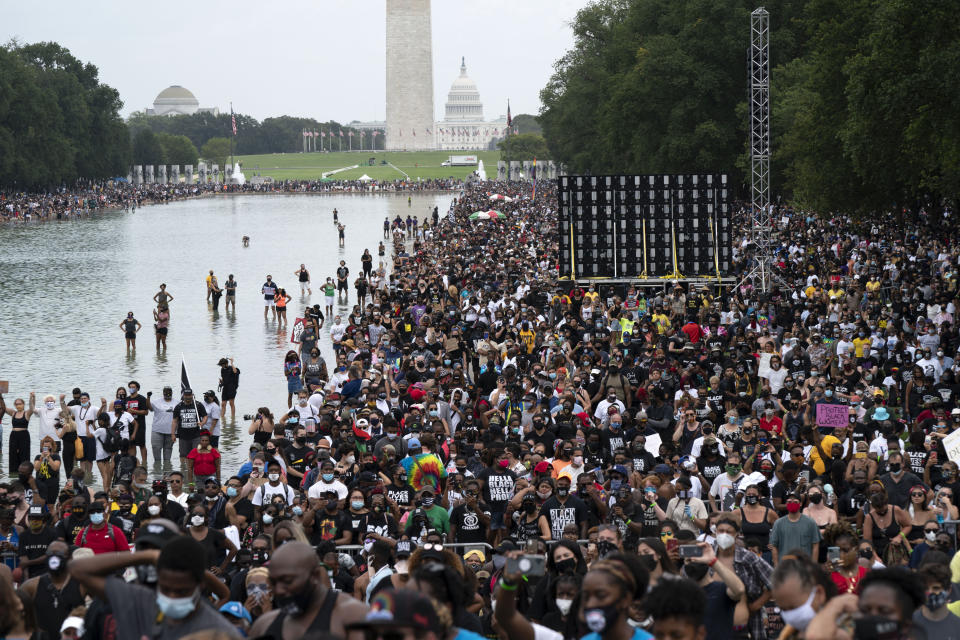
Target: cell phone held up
{"x": 691, "y": 551}
{"x": 528, "y": 565}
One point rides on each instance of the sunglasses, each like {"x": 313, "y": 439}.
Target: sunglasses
{"x": 432, "y": 546}
{"x": 917, "y": 495}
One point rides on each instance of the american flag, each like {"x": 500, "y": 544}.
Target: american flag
{"x": 233, "y": 121}
{"x": 323, "y": 135}
{"x": 341, "y": 133}
{"x": 350, "y": 134}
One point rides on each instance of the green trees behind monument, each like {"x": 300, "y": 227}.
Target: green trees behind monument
{"x": 57, "y": 121}
{"x": 863, "y": 96}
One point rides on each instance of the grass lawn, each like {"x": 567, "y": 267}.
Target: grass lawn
{"x": 309, "y": 166}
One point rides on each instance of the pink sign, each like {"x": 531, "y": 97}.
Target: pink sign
{"x": 833, "y": 415}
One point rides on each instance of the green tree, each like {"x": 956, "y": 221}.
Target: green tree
{"x": 57, "y": 121}
{"x": 526, "y": 123}
{"x": 178, "y": 149}
{"x": 523, "y": 146}
{"x": 216, "y": 151}
{"x": 147, "y": 149}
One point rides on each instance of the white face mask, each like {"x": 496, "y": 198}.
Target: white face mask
{"x": 725, "y": 540}
{"x": 274, "y": 477}
{"x": 401, "y": 566}
{"x": 800, "y": 617}
{"x": 197, "y": 521}
{"x": 930, "y": 535}
{"x": 563, "y": 604}
{"x": 154, "y": 509}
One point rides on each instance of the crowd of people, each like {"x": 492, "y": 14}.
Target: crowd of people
{"x": 90, "y": 198}
{"x": 496, "y": 452}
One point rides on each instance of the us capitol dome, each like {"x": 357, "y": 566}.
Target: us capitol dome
{"x": 176, "y": 100}
{"x": 463, "y": 127}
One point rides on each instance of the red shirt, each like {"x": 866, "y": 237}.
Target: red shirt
{"x": 692, "y": 329}
{"x": 100, "y": 541}
{"x": 772, "y": 425}
{"x": 848, "y": 585}
{"x": 204, "y": 463}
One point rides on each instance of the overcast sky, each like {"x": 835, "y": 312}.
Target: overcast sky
{"x": 321, "y": 58}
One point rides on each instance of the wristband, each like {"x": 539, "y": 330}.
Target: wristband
{"x": 712, "y": 562}
{"x": 629, "y": 521}
{"x": 507, "y": 587}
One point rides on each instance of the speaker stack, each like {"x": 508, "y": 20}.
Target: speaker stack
{"x": 649, "y": 226}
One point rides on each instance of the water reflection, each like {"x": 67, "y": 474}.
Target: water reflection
{"x": 76, "y": 279}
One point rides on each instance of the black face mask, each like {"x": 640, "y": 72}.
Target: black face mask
{"x": 301, "y": 441}
{"x": 648, "y": 560}
{"x": 530, "y": 507}
{"x": 57, "y": 563}
{"x": 296, "y": 603}
{"x": 259, "y": 557}
{"x": 567, "y": 565}
{"x": 895, "y": 467}
{"x": 695, "y": 570}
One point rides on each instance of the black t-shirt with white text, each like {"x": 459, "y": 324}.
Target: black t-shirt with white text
{"x": 498, "y": 486}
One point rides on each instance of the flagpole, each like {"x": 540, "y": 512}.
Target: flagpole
{"x": 233, "y": 130}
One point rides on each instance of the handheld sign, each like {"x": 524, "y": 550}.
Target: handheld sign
{"x": 952, "y": 446}
{"x": 297, "y": 329}
{"x": 832, "y": 415}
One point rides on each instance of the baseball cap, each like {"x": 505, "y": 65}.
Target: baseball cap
{"x": 413, "y": 443}
{"x": 401, "y": 608}
{"x": 235, "y": 609}
{"x": 662, "y": 468}
{"x": 475, "y": 552}
{"x": 156, "y": 534}
{"x": 187, "y": 392}
{"x": 506, "y": 545}
{"x": 73, "y": 622}
{"x": 542, "y": 467}
{"x": 405, "y": 548}
{"x": 35, "y": 512}
{"x": 955, "y": 412}
{"x": 619, "y": 468}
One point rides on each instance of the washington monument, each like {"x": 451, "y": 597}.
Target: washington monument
{"x": 409, "y": 76}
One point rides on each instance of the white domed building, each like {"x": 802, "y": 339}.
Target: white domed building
{"x": 175, "y": 101}
{"x": 463, "y": 127}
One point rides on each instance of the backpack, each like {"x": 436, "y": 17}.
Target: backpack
{"x": 86, "y": 529}
{"x": 112, "y": 440}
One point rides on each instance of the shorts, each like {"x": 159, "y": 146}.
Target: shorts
{"x": 141, "y": 438}
{"x": 161, "y": 331}
{"x": 496, "y": 521}
{"x": 107, "y": 459}
{"x": 89, "y": 448}
{"x": 329, "y": 300}
{"x": 130, "y": 335}
{"x": 294, "y": 385}
{"x": 342, "y": 286}
{"x": 269, "y": 302}
{"x": 229, "y": 393}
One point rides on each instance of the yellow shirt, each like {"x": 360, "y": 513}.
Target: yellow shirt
{"x": 873, "y": 285}
{"x": 815, "y": 461}
{"x": 662, "y": 322}
{"x": 528, "y": 338}
{"x": 859, "y": 344}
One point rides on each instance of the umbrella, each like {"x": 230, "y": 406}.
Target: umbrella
{"x": 494, "y": 214}
{"x": 504, "y": 198}
{"x": 480, "y": 215}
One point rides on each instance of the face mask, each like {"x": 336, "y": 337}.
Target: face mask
{"x": 267, "y": 518}
{"x": 895, "y": 467}
{"x": 577, "y": 460}
{"x": 733, "y": 469}
{"x": 563, "y": 604}
{"x": 649, "y": 561}
{"x": 356, "y": 504}
{"x": 131, "y": 391}
{"x": 368, "y": 546}
{"x": 615, "y": 484}
{"x": 274, "y": 477}
{"x": 793, "y": 507}
{"x": 153, "y": 509}
{"x": 427, "y": 502}
{"x": 567, "y": 565}
{"x": 197, "y": 520}
{"x": 96, "y": 518}
{"x": 175, "y": 608}
{"x": 816, "y": 498}
{"x": 936, "y": 600}
{"x": 544, "y": 494}
{"x": 50, "y": 405}
{"x": 828, "y": 393}
{"x": 56, "y": 563}
{"x": 599, "y": 619}
{"x": 499, "y": 562}
{"x": 800, "y": 617}
{"x": 327, "y": 477}
{"x": 930, "y": 535}
{"x": 752, "y": 499}
{"x": 562, "y": 492}
{"x": 725, "y": 540}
